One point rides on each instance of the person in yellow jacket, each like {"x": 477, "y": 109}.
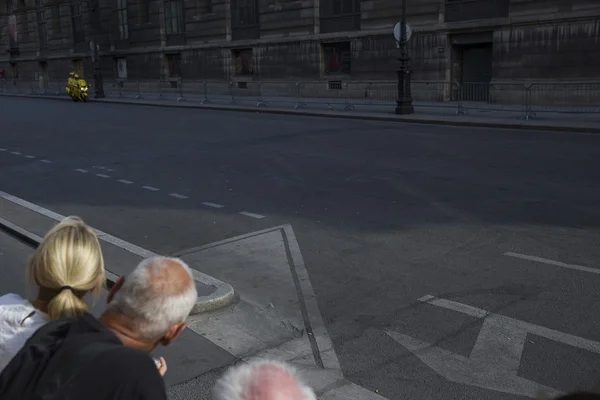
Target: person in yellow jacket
{"x": 71, "y": 82}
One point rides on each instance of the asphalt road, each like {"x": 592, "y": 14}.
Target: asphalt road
{"x": 385, "y": 214}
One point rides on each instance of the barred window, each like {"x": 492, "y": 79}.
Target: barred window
{"x": 243, "y": 62}
{"x": 174, "y": 65}
{"x": 337, "y": 58}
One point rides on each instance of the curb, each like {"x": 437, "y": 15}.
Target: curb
{"x": 223, "y": 296}
{"x": 364, "y": 117}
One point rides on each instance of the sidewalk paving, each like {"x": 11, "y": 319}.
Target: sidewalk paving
{"x": 269, "y": 320}
{"x": 485, "y": 115}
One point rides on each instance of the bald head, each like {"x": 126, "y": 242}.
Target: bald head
{"x": 157, "y": 294}
{"x": 261, "y": 380}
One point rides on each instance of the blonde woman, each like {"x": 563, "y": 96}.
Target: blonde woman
{"x": 66, "y": 266}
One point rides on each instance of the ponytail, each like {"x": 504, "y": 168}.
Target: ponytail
{"x": 66, "y": 304}
{"x": 68, "y": 263}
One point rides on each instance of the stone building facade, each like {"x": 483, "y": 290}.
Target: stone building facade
{"x": 453, "y": 40}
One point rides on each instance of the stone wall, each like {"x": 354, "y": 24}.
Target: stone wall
{"x": 540, "y": 40}
{"x": 563, "y": 50}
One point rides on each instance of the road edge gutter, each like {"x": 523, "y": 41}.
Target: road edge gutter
{"x": 304, "y": 113}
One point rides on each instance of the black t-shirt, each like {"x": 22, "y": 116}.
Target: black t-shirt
{"x": 79, "y": 359}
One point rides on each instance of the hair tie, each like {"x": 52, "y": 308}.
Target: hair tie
{"x": 66, "y": 288}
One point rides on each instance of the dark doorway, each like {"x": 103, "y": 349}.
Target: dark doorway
{"x": 477, "y": 63}
{"x": 476, "y": 71}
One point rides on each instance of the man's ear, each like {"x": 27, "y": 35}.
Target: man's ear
{"x": 173, "y": 333}
{"x": 113, "y": 290}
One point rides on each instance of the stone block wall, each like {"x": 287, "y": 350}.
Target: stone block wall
{"x": 539, "y": 40}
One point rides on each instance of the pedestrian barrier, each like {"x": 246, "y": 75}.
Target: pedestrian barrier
{"x": 524, "y": 100}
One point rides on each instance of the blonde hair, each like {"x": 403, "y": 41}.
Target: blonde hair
{"x": 69, "y": 262}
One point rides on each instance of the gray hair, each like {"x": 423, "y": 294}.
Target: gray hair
{"x": 237, "y": 383}
{"x": 155, "y": 299}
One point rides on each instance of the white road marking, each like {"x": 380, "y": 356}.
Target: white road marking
{"x": 252, "y": 215}
{"x": 2, "y": 149}
{"x": 452, "y": 305}
{"x": 552, "y": 262}
{"x": 551, "y": 334}
{"x": 125, "y": 181}
{"x": 178, "y": 196}
{"x": 46, "y": 161}
{"x": 496, "y": 355}
{"x": 16, "y": 153}
{"x": 213, "y": 205}
{"x": 130, "y": 247}
{"x": 83, "y": 171}
{"x": 29, "y": 156}
{"x": 151, "y": 188}
{"x": 103, "y": 176}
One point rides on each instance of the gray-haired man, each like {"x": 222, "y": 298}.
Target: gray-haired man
{"x": 90, "y": 359}
{"x": 262, "y": 380}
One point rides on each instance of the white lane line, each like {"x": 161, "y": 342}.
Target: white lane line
{"x": 125, "y": 181}
{"x": 83, "y": 171}
{"x": 452, "y": 305}
{"x": 178, "y": 196}
{"x": 552, "y": 262}
{"x": 252, "y": 215}
{"x": 213, "y": 205}
{"x": 29, "y": 156}
{"x": 16, "y": 153}
{"x": 46, "y": 161}
{"x": 2, "y": 149}
{"x": 151, "y": 188}
{"x": 103, "y": 176}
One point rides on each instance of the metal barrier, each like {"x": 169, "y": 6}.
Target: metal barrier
{"x": 523, "y": 100}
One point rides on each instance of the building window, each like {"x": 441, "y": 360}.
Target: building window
{"x": 173, "y": 65}
{"x": 57, "y": 26}
{"x": 122, "y": 19}
{"x": 243, "y": 62}
{"x": 245, "y": 13}
{"x": 121, "y": 66}
{"x": 78, "y": 66}
{"x": 340, "y": 15}
{"x": 337, "y": 58}
{"x": 13, "y": 37}
{"x": 203, "y": 7}
{"x": 467, "y": 10}
{"x": 11, "y": 6}
{"x": 77, "y": 24}
{"x": 23, "y": 20}
{"x": 244, "y": 19}
{"x": 43, "y": 74}
{"x": 173, "y": 17}
{"x": 144, "y": 11}
{"x": 41, "y": 21}
{"x": 14, "y": 70}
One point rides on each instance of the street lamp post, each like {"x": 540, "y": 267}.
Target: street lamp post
{"x": 98, "y": 85}
{"x": 404, "y": 101}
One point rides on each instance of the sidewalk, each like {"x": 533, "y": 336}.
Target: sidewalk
{"x": 486, "y": 116}
{"x": 276, "y": 315}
